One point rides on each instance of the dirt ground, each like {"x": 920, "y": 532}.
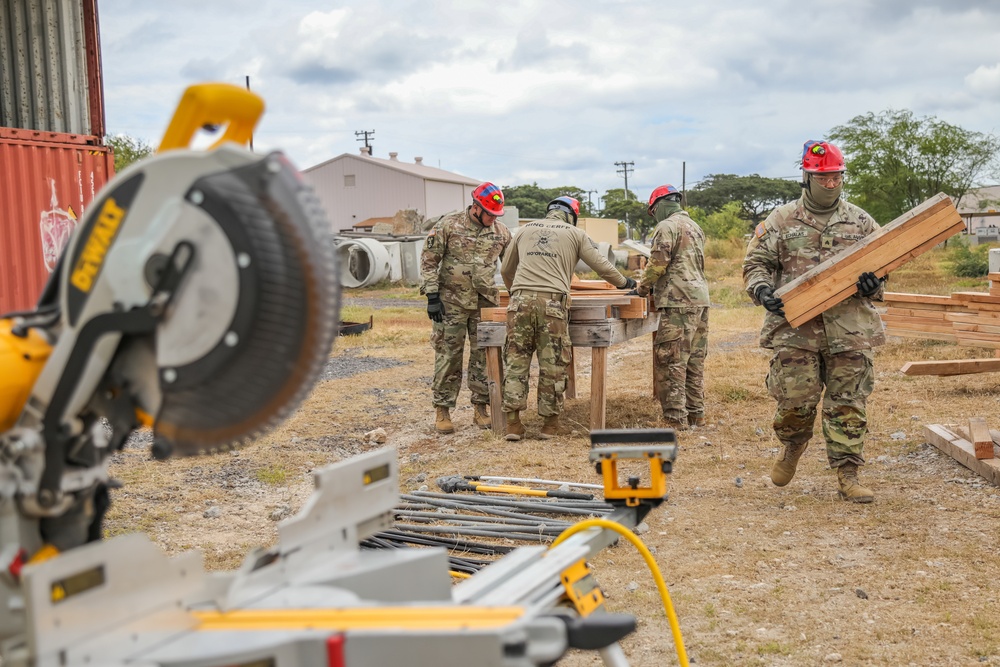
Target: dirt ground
{"x": 758, "y": 575}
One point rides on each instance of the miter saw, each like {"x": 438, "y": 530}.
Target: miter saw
{"x": 199, "y": 297}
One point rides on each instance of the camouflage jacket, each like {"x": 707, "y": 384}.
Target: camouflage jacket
{"x": 787, "y": 244}
{"x": 459, "y": 260}
{"x": 676, "y": 269}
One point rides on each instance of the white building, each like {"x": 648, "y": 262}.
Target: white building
{"x": 353, "y": 188}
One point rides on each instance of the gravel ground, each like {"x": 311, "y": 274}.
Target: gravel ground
{"x": 350, "y": 363}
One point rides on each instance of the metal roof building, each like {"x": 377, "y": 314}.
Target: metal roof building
{"x": 353, "y": 188}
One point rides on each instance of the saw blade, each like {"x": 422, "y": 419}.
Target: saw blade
{"x": 285, "y": 319}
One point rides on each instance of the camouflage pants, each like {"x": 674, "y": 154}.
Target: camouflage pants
{"x": 797, "y": 379}
{"x": 679, "y": 352}
{"x": 536, "y": 323}
{"x": 448, "y": 341}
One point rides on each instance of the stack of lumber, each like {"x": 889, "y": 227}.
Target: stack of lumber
{"x": 891, "y": 246}
{"x": 965, "y": 318}
{"x": 589, "y": 300}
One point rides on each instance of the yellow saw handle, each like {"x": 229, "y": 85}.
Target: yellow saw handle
{"x": 213, "y": 104}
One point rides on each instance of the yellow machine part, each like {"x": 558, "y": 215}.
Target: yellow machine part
{"x": 21, "y": 361}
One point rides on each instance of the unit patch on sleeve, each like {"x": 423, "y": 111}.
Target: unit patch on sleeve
{"x": 761, "y": 231}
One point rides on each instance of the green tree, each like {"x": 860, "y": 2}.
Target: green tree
{"x": 127, "y": 150}
{"x": 532, "y": 200}
{"x": 896, "y": 160}
{"x": 628, "y": 209}
{"x": 756, "y": 195}
{"x": 726, "y": 223}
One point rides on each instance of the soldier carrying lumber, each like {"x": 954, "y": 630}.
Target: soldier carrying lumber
{"x": 832, "y": 351}
{"x": 537, "y": 270}
{"x": 458, "y": 267}
{"x": 676, "y": 275}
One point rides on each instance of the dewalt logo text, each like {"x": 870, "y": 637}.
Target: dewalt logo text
{"x": 96, "y": 248}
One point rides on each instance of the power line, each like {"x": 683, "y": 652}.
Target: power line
{"x": 626, "y": 169}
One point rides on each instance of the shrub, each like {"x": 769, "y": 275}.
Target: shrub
{"x": 966, "y": 262}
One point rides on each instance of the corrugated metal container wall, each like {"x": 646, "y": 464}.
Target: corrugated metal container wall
{"x": 50, "y": 66}
{"x": 45, "y": 187}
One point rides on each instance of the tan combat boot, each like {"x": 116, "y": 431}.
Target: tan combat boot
{"x": 515, "y": 429}
{"x": 481, "y": 418}
{"x": 443, "y": 421}
{"x": 550, "y": 428}
{"x": 677, "y": 425}
{"x": 697, "y": 422}
{"x": 850, "y": 487}
{"x": 783, "y": 469}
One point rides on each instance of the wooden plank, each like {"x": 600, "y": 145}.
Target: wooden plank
{"x": 493, "y": 314}
{"x": 993, "y": 276}
{"x": 922, "y": 323}
{"x": 979, "y": 328}
{"x": 637, "y": 309}
{"x": 914, "y": 312}
{"x": 962, "y": 451}
{"x": 979, "y": 436}
{"x": 911, "y": 229}
{"x": 571, "y": 374}
{"x": 904, "y": 333}
{"x": 494, "y": 384}
{"x": 922, "y": 299}
{"x": 972, "y": 299}
{"x": 579, "y": 283}
{"x": 951, "y": 367}
{"x": 491, "y": 334}
{"x": 598, "y": 381}
{"x": 826, "y": 295}
{"x": 581, "y": 314}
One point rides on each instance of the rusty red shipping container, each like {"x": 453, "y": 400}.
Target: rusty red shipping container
{"x": 47, "y": 182}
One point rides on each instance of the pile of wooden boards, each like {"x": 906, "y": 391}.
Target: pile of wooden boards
{"x": 906, "y": 237}
{"x": 974, "y": 446}
{"x": 589, "y": 300}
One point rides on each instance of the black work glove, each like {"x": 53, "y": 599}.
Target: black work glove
{"x": 772, "y": 303}
{"x": 868, "y": 284}
{"x": 634, "y": 292}
{"x": 629, "y": 284}
{"x": 435, "y": 309}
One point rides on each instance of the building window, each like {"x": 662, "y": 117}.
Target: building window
{"x": 348, "y": 180}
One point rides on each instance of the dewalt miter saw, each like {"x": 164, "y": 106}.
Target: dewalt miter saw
{"x": 199, "y": 297}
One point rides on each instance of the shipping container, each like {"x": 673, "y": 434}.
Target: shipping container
{"x": 50, "y": 66}
{"x": 47, "y": 182}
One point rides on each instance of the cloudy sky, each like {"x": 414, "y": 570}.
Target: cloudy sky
{"x": 552, "y": 92}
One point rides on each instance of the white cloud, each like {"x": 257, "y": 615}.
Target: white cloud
{"x": 985, "y": 81}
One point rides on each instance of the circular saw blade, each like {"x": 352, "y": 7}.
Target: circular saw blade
{"x": 285, "y": 319}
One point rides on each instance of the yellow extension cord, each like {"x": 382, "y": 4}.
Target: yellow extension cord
{"x": 668, "y": 606}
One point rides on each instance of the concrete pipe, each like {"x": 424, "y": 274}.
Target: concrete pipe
{"x": 362, "y": 262}
{"x": 604, "y": 250}
{"x": 621, "y": 258}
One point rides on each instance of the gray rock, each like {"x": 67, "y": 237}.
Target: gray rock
{"x": 860, "y": 592}
{"x": 213, "y": 512}
{"x": 898, "y": 435}
{"x": 281, "y": 513}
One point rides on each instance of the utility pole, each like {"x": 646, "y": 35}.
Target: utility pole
{"x": 365, "y": 134}
{"x": 626, "y": 169}
{"x": 590, "y": 202}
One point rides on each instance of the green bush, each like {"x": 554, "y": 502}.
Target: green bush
{"x": 723, "y": 224}
{"x": 966, "y": 262}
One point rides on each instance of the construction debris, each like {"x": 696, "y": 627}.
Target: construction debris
{"x": 954, "y": 441}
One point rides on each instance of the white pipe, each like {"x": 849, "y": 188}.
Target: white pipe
{"x": 362, "y": 262}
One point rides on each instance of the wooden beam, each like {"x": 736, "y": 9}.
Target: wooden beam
{"x": 951, "y": 367}
{"x": 598, "y": 382}
{"x": 493, "y": 314}
{"x": 571, "y": 374}
{"x": 494, "y": 384}
{"x": 979, "y": 436}
{"x": 906, "y": 237}
{"x": 962, "y": 451}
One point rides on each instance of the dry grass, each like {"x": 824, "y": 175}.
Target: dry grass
{"x": 759, "y": 575}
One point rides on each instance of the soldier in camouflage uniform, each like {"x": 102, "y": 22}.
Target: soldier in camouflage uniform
{"x": 832, "y": 351}
{"x": 458, "y": 267}
{"x": 537, "y": 271}
{"x": 676, "y": 275}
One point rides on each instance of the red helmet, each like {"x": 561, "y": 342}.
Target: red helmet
{"x": 567, "y": 203}
{"x": 490, "y": 198}
{"x": 819, "y": 157}
{"x": 659, "y": 193}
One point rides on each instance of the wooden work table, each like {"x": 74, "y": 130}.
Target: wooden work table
{"x": 592, "y": 324}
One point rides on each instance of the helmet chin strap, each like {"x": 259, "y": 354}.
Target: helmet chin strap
{"x": 479, "y": 218}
